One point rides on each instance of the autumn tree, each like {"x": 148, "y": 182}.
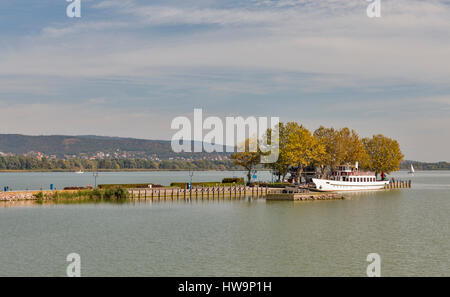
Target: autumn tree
{"x": 342, "y": 146}
{"x": 384, "y": 154}
{"x": 302, "y": 148}
{"x": 329, "y": 138}
{"x": 353, "y": 148}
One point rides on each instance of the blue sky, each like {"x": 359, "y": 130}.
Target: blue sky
{"x": 128, "y": 67}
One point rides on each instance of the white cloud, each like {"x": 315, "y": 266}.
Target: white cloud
{"x": 184, "y": 44}
{"x": 333, "y": 37}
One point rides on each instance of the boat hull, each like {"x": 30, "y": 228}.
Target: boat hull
{"x": 325, "y": 185}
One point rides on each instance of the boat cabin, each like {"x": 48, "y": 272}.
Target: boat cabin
{"x": 349, "y": 173}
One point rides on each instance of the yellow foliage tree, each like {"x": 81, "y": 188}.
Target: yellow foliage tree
{"x": 302, "y": 148}
{"x": 384, "y": 154}
{"x": 342, "y": 146}
{"x": 329, "y": 138}
{"x": 353, "y": 148}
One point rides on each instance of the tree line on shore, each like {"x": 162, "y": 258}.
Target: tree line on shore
{"x": 323, "y": 150}
{"x": 33, "y": 163}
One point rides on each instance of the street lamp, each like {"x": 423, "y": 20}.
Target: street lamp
{"x": 95, "y": 174}
{"x": 191, "y": 174}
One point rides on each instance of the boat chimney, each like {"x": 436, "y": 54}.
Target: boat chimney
{"x": 356, "y": 165}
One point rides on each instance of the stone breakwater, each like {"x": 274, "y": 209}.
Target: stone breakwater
{"x": 269, "y": 194}
{"x": 18, "y": 196}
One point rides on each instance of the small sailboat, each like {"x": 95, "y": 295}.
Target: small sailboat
{"x": 79, "y": 172}
{"x": 412, "y": 169}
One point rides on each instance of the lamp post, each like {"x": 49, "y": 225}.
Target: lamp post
{"x": 95, "y": 174}
{"x": 191, "y": 174}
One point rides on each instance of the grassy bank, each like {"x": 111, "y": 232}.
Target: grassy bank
{"x": 88, "y": 194}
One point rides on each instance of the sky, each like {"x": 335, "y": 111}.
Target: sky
{"x": 129, "y": 67}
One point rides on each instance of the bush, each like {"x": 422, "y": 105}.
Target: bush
{"x": 92, "y": 194}
{"x": 39, "y": 195}
{"x": 275, "y": 185}
{"x": 127, "y": 186}
{"x": 77, "y": 188}
{"x": 233, "y": 180}
{"x": 206, "y": 184}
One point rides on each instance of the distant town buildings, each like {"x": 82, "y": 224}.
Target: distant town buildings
{"x": 117, "y": 154}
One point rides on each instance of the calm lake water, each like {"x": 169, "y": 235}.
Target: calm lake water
{"x": 38, "y": 180}
{"x": 408, "y": 228}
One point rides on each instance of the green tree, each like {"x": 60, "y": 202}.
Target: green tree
{"x": 247, "y": 158}
{"x": 280, "y": 168}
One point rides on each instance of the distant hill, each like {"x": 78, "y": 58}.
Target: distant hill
{"x": 60, "y": 146}
{"x": 406, "y": 165}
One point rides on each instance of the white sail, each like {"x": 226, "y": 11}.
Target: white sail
{"x": 412, "y": 169}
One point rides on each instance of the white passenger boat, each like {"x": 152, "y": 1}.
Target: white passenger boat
{"x": 349, "y": 178}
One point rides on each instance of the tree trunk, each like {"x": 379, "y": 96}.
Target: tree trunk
{"x": 299, "y": 173}
{"x": 249, "y": 176}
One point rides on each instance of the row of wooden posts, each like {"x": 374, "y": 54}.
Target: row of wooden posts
{"x": 199, "y": 192}
{"x": 399, "y": 184}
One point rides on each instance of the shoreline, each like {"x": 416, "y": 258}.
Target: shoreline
{"x": 162, "y": 170}
{"x": 170, "y": 194}
{"x": 123, "y": 170}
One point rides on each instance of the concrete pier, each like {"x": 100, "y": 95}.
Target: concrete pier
{"x": 215, "y": 192}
